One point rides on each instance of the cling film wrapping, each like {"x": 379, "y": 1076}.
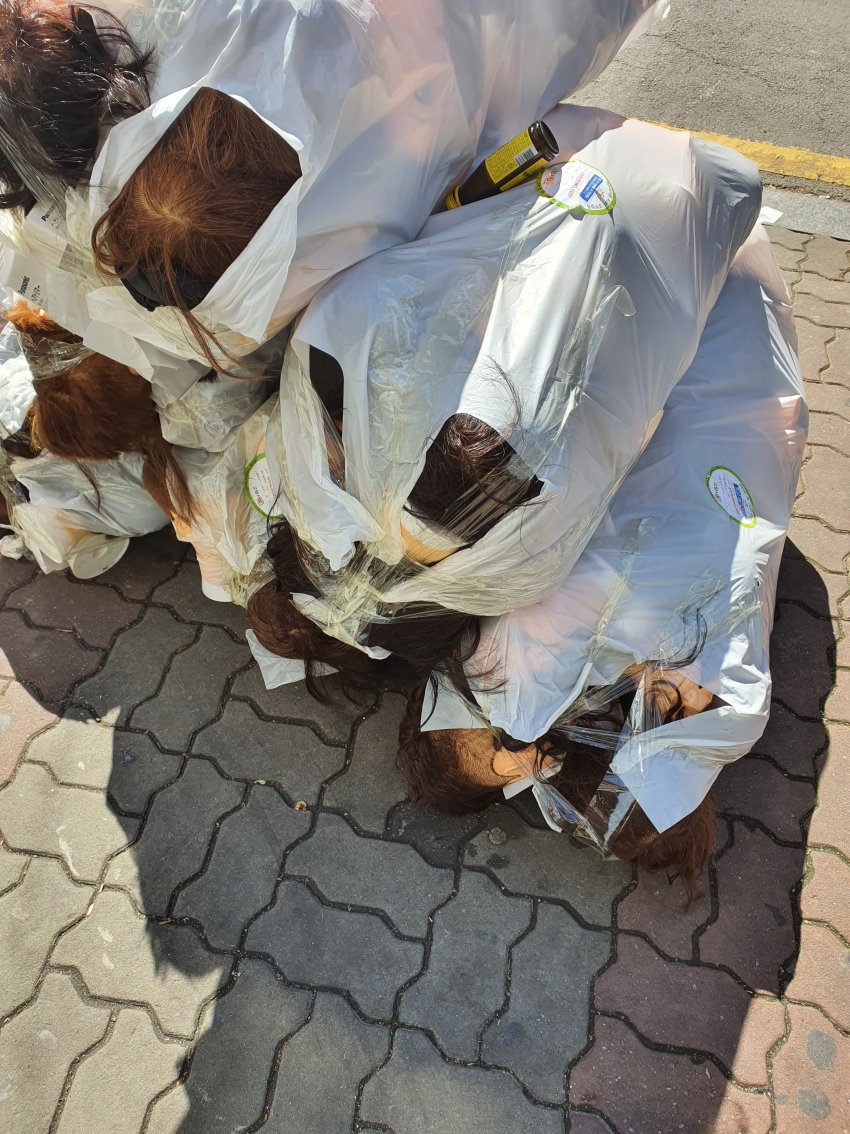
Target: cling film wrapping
{"x": 565, "y": 332}
{"x": 668, "y": 556}
{"x": 387, "y": 104}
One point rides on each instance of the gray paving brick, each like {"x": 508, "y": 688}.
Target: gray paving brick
{"x": 31, "y": 916}
{"x": 249, "y": 748}
{"x": 226, "y": 1088}
{"x": 113, "y": 1087}
{"x": 38, "y": 815}
{"x": 544, "y": 864}
{"x": 366, "y": 872}
{"x": 546, "y": 1024}
{"x": 320, "y": 945}
{"x": 36, "y": 1051}
{"x": 175, "y": 838}
{"x": 245, "y": 864}
{"x": 21, "y": 718}
{"x": 437, "y": 837}
{"x": 96, "y": 613}
{"x": 49, "y": 660}
{"x": 191, "y": 693}
{"x": 147, "y": 562}
{"x": 372, "y": 785}
{"x": 184, "y": 595}
{"x": 135, "y": 665}
{"x": 12, "y": 867}
{"x": 122, "y": 956}
{"x": 315, "y": 1092}
{"x": 418, "y": 1093}
{"x": 293, "y": 702}
{"x": 466, "y": 979}
{"x": 86, "y": 752}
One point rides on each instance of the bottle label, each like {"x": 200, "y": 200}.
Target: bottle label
{"x": 259, "y": 489}
{"x": 504, "y": 164}
{"x": 577, "y": 187}
{"x": 731, "y": 494}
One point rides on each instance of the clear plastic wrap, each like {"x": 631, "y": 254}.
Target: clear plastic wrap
{"x": 387, "y": 104}
{"x": 562, "y": 328}
{"x": 17, "y": 389}
{"x": 685, "y": 563}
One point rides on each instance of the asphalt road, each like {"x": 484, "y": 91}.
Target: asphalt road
{"x": 766, "y": 70}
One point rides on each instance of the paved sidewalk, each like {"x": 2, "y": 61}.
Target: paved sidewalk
{"x": 218, "y": 913}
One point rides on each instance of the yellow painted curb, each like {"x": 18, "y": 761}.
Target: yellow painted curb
{"x": 786, "y": 160}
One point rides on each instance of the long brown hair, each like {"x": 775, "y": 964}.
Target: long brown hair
{"x": 196, "y": 201}
{"x": 61, "y": 78}
{"x": 98, "y": 409}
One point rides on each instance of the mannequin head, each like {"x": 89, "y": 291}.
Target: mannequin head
{"x": 194, "y": 204}
{"x": 96, "y": 410}
{"x": 62, "y": 77}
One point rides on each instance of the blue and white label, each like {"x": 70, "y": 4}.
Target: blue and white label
{"x": 577, "y": 187}
{"x": 730, "y": 492}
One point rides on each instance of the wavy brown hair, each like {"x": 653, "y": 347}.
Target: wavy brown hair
{"x": 195, "y": 203}
{"x": 98, "y": 409}
{"x": 62, "y": 77}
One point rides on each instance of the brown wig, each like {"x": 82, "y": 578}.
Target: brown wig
{"x": 195, "y": 203}
{"x": 61, "y": 78}
{"x": 452, "y": 771}
{"x": 97, "y": 410}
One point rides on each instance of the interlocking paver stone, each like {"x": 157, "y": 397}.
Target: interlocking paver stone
{"x": 546, "y": 1024}
{"x": 21, "y": 718}
{"x": 786, "y": 238}
{"x": 755, "y": 788}
{"x": 31, "y": 917}
{"x": 175, "y": 838}
{"x": 837, "y": 706}
{"x": 826, "y": 890}
{"x": 113, "y": 1086}
{"x": 800, "y": 582}
{"x": 581, "y": 1123}
{"x": 226, "y": 1088}
{"x": 293, "y": 703}
{"x": 123, "y": 957}
{"x": 793, "y": 744}
{"x": 50, "y": 660}
{"x": 643, "y": 1090}
{"x": 36, "y": 1051}
{"x": 191, "y": 693}
{"x": 812, "y": 341}
{"x": 702, "y": 1009}
{"x": 366, "y": 872}
{"x": 418, "y": 1093}
{"x": 827, "y": 257}
{"x": 754, "y": 932}
{"x": 825, "y": 548}
{"x": 134, "y": 667}
{"x": 184, "y": 595}
{"x": 320, "y": 945}
{"x": 800, "y": 665}
{"x": 830, "y": 290}
{"x": 820, "y": 499}
{"x": 373, "y": 784}
{"x": 830, "y": 824}
{"x": 822, "y": 975}
{"x": 829, "y": 429}
{"x": 12, "y": 867}
{"x": 14, "y": 573}
{"x": 245, "y": 864}
{"x": 811, "y": 1073}
{"x": 462, "y": 988}
{"x": 36, "y": 814}
{"x": 313, "y": 1092}
{"x": 818, "y": 310}
{"x": 147, "y": 562}
{"x": 437, "y": 837}
{"x": 830, "y": 398}
{"x": 80, "y": 750}
{"x": 789, "y": 259}
{"x": 96, "y": 613}
{"x": 546, "y": 865}
{"x": 249, "y": 748}
{"x": 838, "y": 352}
{"x": 657, "y": 908}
